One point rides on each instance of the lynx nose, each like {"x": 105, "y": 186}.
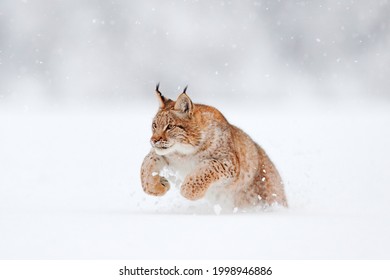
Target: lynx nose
{"x": 156, "y": 141}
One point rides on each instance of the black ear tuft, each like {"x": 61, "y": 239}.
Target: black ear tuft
{"x": 160, "y": 97}
{"x": 157, "y": 86}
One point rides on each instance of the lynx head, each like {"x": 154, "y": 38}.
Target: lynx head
{"x": 174, "y": 127}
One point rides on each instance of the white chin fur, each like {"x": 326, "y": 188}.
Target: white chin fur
{"x": 163, "y": 152}
{"x": 184, "y": 149}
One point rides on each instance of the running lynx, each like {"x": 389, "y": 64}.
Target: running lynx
{"x": 206, "y": 151}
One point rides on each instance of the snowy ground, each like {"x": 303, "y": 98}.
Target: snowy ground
{"x": 70, "y": 189}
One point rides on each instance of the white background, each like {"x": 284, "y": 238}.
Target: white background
{"x": 110, "y": 269}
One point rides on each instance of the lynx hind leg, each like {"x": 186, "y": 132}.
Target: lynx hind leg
{"x": 260, "y": 193}
{"x": 246, "y": 198}
{"x": 269, "y": 185}
{"x": 152, "y": 182}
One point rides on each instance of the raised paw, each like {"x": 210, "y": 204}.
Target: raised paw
{"x": 157, "y": 186}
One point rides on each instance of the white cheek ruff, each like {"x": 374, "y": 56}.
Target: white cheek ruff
{"x": 184, "y": 149}
{"x": 163, "y": 152}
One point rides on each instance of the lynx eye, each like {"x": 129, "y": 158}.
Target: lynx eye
{"x": 154, "y": 126}
{"x": 170, "y": 126}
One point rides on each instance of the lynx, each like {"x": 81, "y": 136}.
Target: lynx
{"x": 206, "y": 151}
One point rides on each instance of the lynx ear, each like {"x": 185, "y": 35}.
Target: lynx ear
{"x": 161, "y": 99}
{"x": 184, "y": 104}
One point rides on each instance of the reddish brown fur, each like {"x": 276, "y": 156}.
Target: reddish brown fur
{"x": 198, "y": 139}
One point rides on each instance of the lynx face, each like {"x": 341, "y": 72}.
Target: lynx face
{"x": 174, "y": 130}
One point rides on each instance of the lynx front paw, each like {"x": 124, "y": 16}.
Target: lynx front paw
{"x": 157, "y": 186}
{"x": 191, "y": 192}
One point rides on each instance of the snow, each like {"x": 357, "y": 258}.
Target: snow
{"x": 70, "y": 189}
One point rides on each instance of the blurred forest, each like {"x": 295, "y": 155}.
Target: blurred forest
{"x": 112, "y": 53}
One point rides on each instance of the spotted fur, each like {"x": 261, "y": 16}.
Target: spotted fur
{"x": 207, "y": 151}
